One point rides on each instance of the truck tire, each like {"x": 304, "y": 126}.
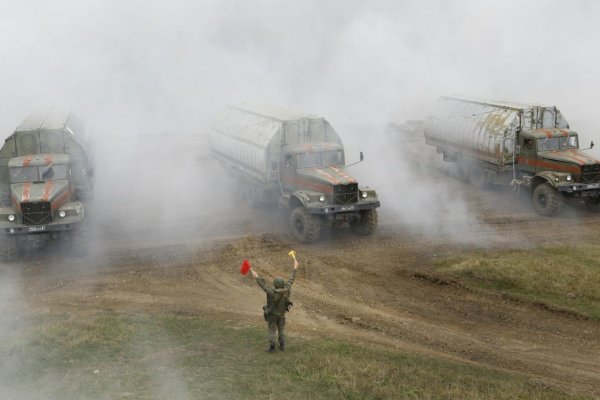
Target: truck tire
{"x": 79, "y": 240}
{"x": 8, "y": 248}
{"x": 546, "y": 200}
{"x": 367, "y": 223}
{"x": 305, "y": 227}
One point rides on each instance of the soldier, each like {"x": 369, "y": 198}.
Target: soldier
{"x": 278, "y": 304}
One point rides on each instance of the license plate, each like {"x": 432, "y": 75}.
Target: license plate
{"x": 36, "y": 229}
{"x": 593, "y": 186}
{"x": 347, "y": 208}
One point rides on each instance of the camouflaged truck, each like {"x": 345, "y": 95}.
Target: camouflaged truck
{"x": 296, "y": 161}
{"x": 516, "y": 144}
{"x": 46, "y": 182}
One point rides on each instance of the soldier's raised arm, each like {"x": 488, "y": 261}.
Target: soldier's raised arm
{"x": 293, "y": 274}
{"x": 260, "y": 281}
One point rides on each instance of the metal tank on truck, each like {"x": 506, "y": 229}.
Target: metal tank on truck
{"x": 516, "y": 144}
{"x": 46, "y": 182}
{"x": 295, "y": 161}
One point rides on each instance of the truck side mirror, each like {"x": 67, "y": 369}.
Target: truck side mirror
{"x": 362, "y": 157}
{"x": 592, "y": 145}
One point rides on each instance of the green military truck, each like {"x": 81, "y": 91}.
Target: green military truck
{"x": 516, "y": 144}
{"x": 46, "y": 182}
{"x": 296, "y": 161}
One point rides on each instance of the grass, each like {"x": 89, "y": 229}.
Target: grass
{"x": 567, "y": 276}
{"x": 166, "y": 356}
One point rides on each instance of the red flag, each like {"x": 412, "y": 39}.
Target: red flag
{"x": 245, "y": 267}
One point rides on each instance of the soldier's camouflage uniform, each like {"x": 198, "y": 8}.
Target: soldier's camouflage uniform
{"x": 277, "y": 306}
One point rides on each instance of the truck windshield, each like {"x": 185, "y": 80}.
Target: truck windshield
{"x": 556, "y": 143}
{"x": 38, "y": 173}
{"x": 320, "y": 159}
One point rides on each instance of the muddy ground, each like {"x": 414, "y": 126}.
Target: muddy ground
{"x": 376, "y": 290}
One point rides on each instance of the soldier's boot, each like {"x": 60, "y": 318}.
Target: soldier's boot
{"x": 271, "y": 348}
{"x": 282, "y": 346}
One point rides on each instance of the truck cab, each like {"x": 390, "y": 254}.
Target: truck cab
{"x": 41, "y": 195}
{"x": 551, "y": 161}
{"x": 46, "y": 182}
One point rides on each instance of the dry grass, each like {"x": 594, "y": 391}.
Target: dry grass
{"x": 567, "y": 276}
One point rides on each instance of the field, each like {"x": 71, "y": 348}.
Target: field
{"x": 502, "y": 304}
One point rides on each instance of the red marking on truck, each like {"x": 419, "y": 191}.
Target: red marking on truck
{"x": 27, "y": 161}
{"x": 577, "y": 157}
{"x": 308, "y": 184}
{"x": 332, "y": 178}
{"x": 342, "y": 173}
{"x": 26, "y": 189}
{"x": 547, "y": 132}
{"x": 547, "y": 164}
{"x": 49, "y": 159}
{"x": 47, "y": 190}
{"x": 60, "y": 200}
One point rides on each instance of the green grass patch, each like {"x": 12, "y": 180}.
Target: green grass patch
{"x": 175, "y": 357}
{"x": 567, "y": 276}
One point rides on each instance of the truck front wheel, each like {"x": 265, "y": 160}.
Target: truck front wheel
{"x": 305, "y": 227}
{"x": 367, "y": 223}
{"x": 546, "y": 200}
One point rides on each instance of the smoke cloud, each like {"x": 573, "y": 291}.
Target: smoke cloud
{"x": 149, "y": 77}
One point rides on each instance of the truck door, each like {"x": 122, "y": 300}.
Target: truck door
{"x": 288, "y": 171}
{"x": 527, "y": 156}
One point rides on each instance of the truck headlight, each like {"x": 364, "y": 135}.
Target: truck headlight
{"x": 364, "y": 195}
{"x": 321, "y": 198}
{"x": 569, "y": 178}
{"x": 62, "y": 214}
{"x": 11, "y": 218}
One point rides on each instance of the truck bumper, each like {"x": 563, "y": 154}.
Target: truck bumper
{"x": 584, "y": 189}
{"x": 18, "y": 229}
{"x": 335, "y": 209}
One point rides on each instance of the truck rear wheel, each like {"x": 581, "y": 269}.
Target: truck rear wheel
{"x": 367, "y": 223}
{"x": 305, "y": 227}
{"x": 8, "y": 248}
{"x": 546, "y": 200}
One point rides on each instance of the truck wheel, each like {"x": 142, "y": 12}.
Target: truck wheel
{"x": 79, "y": 240}
{"x": 546, "y": 200}
{"x": 8, "y": 248}
{"x": 367, "y": 223}
{"x": 304, "y": 226}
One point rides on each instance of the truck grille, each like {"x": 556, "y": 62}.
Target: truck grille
{"x": 590, "y": 173}
{"x": 345, "y": 194}
{"x": 36, "y": 213}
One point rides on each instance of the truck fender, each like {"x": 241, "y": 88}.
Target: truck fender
{"x": 543, "y": 177}
{"x": 297, "y": 199}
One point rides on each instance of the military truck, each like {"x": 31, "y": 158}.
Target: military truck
{"x": 523, "y": 145}
{"x": 295, "y": 161}
{"x": 46, "y": 182}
